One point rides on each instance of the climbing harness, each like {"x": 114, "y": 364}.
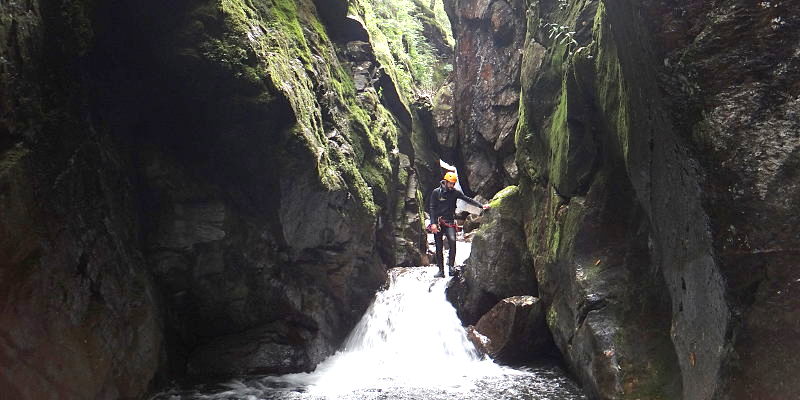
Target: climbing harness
{"x": 442, "y": 222}
{"x": 445, "y": 224}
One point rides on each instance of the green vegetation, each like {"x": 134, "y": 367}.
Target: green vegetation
{"x": 505, "y": 202}
{"x": 506, "y": 192}
{"x": 563, "y": 35}
{"x": 283, "y": 49}
{"x": 444, "y": 21}
{"x": 612, "y": 94}
{"x": 397, "y": 31}
{"x": 559, "y": 140}
{"x": 279, "y": 52}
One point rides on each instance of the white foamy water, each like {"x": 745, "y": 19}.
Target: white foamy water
{"x": 408, "y": 345}
{"x": 409, "y": 337}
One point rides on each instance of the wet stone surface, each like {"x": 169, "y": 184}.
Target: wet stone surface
{"x": 409, "y": 344}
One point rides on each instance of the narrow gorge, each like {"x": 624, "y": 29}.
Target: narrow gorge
{"x": 194, "y": 191}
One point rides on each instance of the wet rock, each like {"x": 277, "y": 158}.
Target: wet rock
{"x": 170, "y": 199}
{"x": 643, "y": 178}
{"x": 499, "y": 265}
{"x": 426, "y": 148}
{"x": 359, "y": 51}
{"x": 486, "y": 81}
{"x": 471, "y": 223}
{"x": 409, "y": 232}
{"x": 277, "y": 348}
{"x": 433, "y": 32}
{"x": 444, "y": 118}
{"x": 78, "y": 310}
{"x": 363, "y": 64}
{"x": 741, "y": 134}
{"x": 595, "y": 232}
{"x": 513, "y": 331}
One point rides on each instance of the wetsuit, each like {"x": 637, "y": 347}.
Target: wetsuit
{"x": 443, "y": 204}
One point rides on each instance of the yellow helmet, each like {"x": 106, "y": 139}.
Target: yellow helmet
{"x": 451, "y": 177}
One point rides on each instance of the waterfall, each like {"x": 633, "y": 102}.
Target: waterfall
{"x": 408, "y": 345}
{"x": 409, "y": 337}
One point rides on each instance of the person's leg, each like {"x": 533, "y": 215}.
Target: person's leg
{"x": 451, "y": 241}
{"x": 439, "y": 252}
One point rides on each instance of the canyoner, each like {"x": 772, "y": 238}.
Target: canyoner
{"x": 442, "y": 210}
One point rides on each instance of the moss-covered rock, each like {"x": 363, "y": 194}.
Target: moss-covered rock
{"x": 264, "y": 148}
{"x": 494, "y": 272}
{"x": 337, "y": 197}
{"x": 613, "y": 147}
{"x": 79, "y": 315}
{"x": 615, "y": 214}
{"x": 575, "y": 150}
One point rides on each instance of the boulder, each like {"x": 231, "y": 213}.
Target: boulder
{"x": 513, "y": 331}
{"x": 499, "y": 265}
{"x": 276, "y": 348}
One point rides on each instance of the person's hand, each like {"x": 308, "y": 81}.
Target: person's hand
{"x": 434, "y": 228}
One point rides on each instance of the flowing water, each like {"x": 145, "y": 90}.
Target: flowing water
{"x": 409, "y": 345}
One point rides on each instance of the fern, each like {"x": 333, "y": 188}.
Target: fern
{"x": 562, "y": 35}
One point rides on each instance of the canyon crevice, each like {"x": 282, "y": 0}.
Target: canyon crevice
{"x": 209, "y": 189}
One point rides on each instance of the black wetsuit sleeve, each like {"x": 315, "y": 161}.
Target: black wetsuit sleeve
{"x": 469, "y": 200}
{"x": 432, "y": 206}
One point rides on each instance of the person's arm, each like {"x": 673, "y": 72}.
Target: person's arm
{"x": 470, "y": 200}
{"x": 432, "y": 211}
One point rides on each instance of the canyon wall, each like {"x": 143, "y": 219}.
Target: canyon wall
{"x": 657, "y": 152}
{"x": 199, "y": 189}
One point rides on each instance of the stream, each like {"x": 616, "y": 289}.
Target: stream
{"x": 408, "y": 345}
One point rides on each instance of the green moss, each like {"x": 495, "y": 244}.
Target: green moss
{"x": 420, "y": 210}
{"x": 612, "y": 94}
{"x": 443, "y": 20}
{"x": 375, "y": 177}
{"x": 525, "y": 140}
{"x": 280, "y": 49}
{"x": 558, "y": 135}
{"x": 11, "y": 158}
{"x": 280, "y": 45}
{"x": 505, "y": 202}
{"x": 552, "y": 317}
{"x": 507, "y": 192}
{"x": 396, "y": 33}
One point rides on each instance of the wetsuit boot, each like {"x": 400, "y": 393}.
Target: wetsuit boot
{"x": 439, "y": 254}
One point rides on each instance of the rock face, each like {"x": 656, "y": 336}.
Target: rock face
{"x": 78, "y": 313}
{"x": 734, "y": 97}
{"x": 499, "y": 265}
{"x": 657, "y": 152}
{"x": 513, "y": 331}
{"x": 201, "y": 188}
{"x": 486, "y": 86}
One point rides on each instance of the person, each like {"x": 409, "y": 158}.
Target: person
{"x": 442, "y": 210}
